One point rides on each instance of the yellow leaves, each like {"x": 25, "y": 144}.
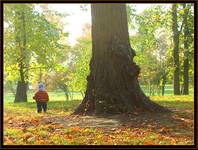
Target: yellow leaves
{"x": 41, "y": 142}
{"x": 149, "y": 142}
{"x": 90, "y": 140}
{"x": 7, "y": 119}
{"x": 8, "y": 141}
{"x": 173, "y": 142}
{"x": 35, "y": 122}
{"x": 27, "y": 135}
{"x": 75, "y": 129}
{"x": 77, "y": 135}
{"x": 137, "y": 132}
{"x": 57, "y": 126}
{"x": 86, "y": 130}
{"x": 10, "y": 122}
{"x": 54, "y": 127}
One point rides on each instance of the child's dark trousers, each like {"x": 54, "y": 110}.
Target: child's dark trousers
{"x": 41, "y": 106}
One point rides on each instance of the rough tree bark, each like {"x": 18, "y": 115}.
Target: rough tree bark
{"x": 175, "y": 50}
{"x": 186, "y": 52}
{"x": 112, "y": 83}
{"x": 21, "y": 91}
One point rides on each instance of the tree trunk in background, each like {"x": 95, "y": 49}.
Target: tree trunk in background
{"x": 112, "y": 83}
{"x": 175, "y": 50}
{"x": 21, "y": 92}
{"x": 186, "y": 54}
{"x": 163, "y": 89}
{"x": 164, "y": 77}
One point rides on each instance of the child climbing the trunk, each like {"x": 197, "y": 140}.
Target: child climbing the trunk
{"x": 41, "y": 98}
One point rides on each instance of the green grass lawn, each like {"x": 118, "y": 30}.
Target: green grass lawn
{"x": 168, "y": 90}
{"x": 23, "y": 125}
{"x": 53, "y": 96}
{"x": 60, "y": 96}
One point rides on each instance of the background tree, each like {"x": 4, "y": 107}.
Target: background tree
{"x": 16, "y": 44}
{"x": 175, "y": 50}
{"x": 36, "y": 44}
{"x": 151, "y": 42}
{"x": 176, "y": 42}
{"x": 187, "y": 34}
{"x": 81, "y": 66}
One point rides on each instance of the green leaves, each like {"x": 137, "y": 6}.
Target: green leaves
{"x": 42, "y": 34}
{"x": 152, "y": 41}
{"x": 81, "y": 63}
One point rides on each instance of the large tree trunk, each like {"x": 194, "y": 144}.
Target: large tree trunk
{"x": 21, "y": 92}
{"x": 175, "y": 50}
{"x": 112, "y": 83}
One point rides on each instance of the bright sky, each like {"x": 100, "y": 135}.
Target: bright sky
{"x": 78, "y": 17}
{"x": 75, "y": 20}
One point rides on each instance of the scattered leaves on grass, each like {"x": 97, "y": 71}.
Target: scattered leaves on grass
{"x": 58, "y": 127}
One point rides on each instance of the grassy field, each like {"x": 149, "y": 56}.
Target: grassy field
{"x": 59, "y": 95}
{"x": 54, "y": 96}
{"x": 23, "y": 126}
{"x": 168, "y": 90}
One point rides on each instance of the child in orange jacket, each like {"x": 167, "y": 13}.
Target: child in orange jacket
{"x": 41, "y": 98}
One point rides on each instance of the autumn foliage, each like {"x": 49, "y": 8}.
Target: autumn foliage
{"x": 60, "y": 128}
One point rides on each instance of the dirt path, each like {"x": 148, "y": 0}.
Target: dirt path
{"x": 84, "y": 121}
{"x": 161, "y": 123}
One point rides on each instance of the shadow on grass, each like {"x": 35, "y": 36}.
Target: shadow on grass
{"x": 177, "y": 123}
